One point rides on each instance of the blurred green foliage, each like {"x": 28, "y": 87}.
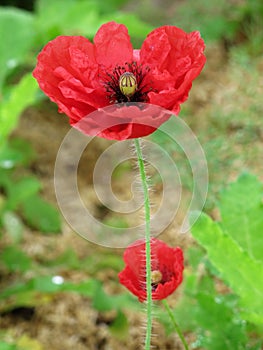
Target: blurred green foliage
{"x": 20, "y": 198}
{"x": 226, "y": 316}
{"x": 229, "y": 21}
{"x": 17, "y": 33}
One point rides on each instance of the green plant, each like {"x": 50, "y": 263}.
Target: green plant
{"x": 227, "y": 315}
{"x": 21, "y": 199}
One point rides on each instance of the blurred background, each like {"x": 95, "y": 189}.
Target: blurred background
{"x": 58, "y": 291}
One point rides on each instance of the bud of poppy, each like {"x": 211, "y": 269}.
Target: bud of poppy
{"x": 128, "y": 84}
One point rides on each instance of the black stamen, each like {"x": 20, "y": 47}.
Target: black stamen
{"x": 111, "y": 83}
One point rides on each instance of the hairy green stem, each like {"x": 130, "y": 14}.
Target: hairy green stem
{"x": 147, "y": 214}
{"x": 177, "y": 328}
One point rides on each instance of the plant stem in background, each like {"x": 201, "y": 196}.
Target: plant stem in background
{"x": 147, "y": 242}
{"x": 177, "y": 328}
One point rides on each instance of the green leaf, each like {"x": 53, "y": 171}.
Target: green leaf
{"x": 241, "y": 210}
{"x": 79, "y": 18}
{"x": 45, "y": 284}
{"x": 219, "y": 328}
{"x": 119, "y": 327}
{"x": 17, "y": 33}
{"x": 15, "y": 152}
{"x": 83, "y": 18}
{"x": 22, "y": 95}
{"x": 15, "y": 259}
{"x": 22, "y": 190}
{"x": 101, "y": 301}
{"x": 106, "y": 302}
{"x": 87, "y": 288}
{"x": 41, "y": 215}
{"x": 6, "y": 346}
{"x": 244, "y": 275}
{"x": 9, "y": 157}
{"x": 13, "y": 226}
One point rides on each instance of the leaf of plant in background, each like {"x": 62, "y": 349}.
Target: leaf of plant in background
{"x": 15, "y": 259}
{"x": 237, "y": 267}
{"x": 7, "y": 346}
{"x": 17, "y": 33}
{"x": 41, "y": 215}
{"x": 210, "y": 18}
{"x": 21, "y": 190}
{"x": 120, "y": 327}
{"x": 213, "y": 317}
{"x": 241, "y": 210}
{"x": 82, "y": 18}
{"x": 15, "y": 152}
{"x": 22, "y": 95}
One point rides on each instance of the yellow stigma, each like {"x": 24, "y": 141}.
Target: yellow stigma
{"x": 128, "y": 84}
{"x": 156, "y": 276}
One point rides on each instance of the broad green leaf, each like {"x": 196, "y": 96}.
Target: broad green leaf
{"x": 101, "y": 301}
{"x": 22, "y": 190}
{"x": 15, "y": 259}
{"x": 16, "y": 33}
{"x": 244, "y": 275}
{"x": 241, "y": 210}
{"x": 215, "y": 322}
{"x": 46, "y": 284}
{"x": 22, "y": 95}
{"x": 221, "y": 329}
{"x": 41, "y": 215}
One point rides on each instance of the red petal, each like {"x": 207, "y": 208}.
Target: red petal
{"x": 176, "y": 58}
{"x": 66, "y": 72}
{"x": 168, "y": 260}
{"x": 113, "y": 45}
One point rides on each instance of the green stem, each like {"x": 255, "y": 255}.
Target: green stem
{"x": 177, "y": 328}
{"x": 147, "y": 242}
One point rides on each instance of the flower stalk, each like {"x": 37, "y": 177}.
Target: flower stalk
{"x": 147, "y": 214}
{"x": 175, "y": 324}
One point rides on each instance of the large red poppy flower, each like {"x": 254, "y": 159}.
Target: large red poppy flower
{"x": 167, "y": 266}
{"x": 81, "y": 77}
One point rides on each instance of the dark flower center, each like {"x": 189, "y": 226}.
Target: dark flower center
{"x": 126, "y": 83}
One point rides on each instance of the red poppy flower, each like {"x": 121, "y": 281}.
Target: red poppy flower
{"x": 167, "y": 266}
{"x": 82, "y": 77}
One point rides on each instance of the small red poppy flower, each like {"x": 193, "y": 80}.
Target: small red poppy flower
{"x": 167, "y": 266}
{"x": 82, "y": 77}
